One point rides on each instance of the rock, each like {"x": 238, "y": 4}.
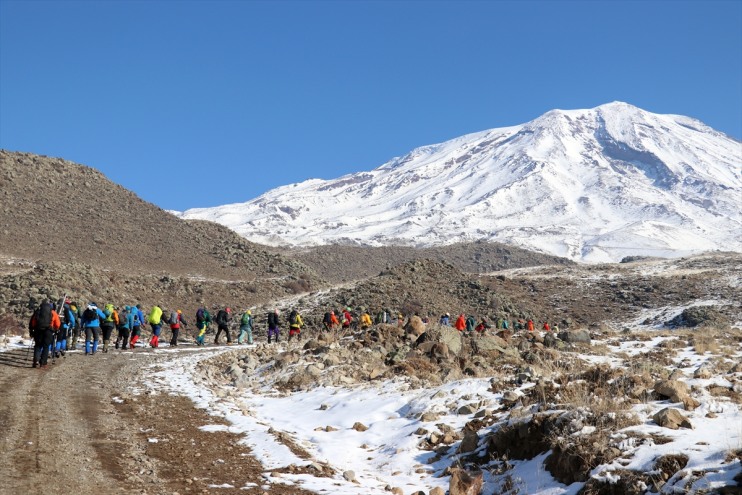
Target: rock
{"x": 671, "y": 418}
{"x": 376, "y": 373}
{"x": 452, "y": 338}
{"x": 397, "y": 491}
{"x": 350, "y": 476}
{"x": 467, "y": 409}
{"x": 575, "y": 336}
{"x": 491, "y": 343}
{"x": 469, "y": 443}
{"x": 465, "y": 483}
{"x": 440, "y": 350}
{"x": 437, "y": 491}
{"x": 703, "y": 372}
{"x": 415, "y": 326}
{"x": 359, "y": 426}
{"x": 510, "y": 397}
{"x": 430, "y": 416}
{"x": 674, "y": 390}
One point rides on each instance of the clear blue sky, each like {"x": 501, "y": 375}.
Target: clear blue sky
{"x": 195, "y": 103}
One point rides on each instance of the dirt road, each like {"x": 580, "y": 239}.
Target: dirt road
{"x": 66, "y": 430}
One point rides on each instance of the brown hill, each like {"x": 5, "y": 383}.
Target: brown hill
{"x": 56, "y": 210}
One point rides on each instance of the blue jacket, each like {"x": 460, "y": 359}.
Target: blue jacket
{"x": 96, "y": 322}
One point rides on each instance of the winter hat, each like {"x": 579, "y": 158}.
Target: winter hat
{"x": 180, "y": 312}
{"x": 249, "y": 312}
{"x": 229, "y": 310}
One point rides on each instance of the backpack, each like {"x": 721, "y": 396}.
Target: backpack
{"x": 294, "y": 318}
{"x": 135, "y": 315}
{"x": 173, "y": 318}
{"x": 89, "y": 315}
{"x": 44, "y": 318}
{"x": 200, "y": 315}
{"x": 108, "y": 311}
{"x": 155, "y": 316}
{"x": 245, "y": 319}
{"x": 123, "y": 317}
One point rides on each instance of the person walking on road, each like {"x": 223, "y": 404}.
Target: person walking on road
{"x": 222, "y": 323}
{"x": 44, "y": 322}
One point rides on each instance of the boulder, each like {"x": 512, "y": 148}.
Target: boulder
{"x": 671, "y": 418}
{"x": 703, "y": 372}
{"x": 415, "y": 326}
{"x": 674, "y": 390}
{"x": 575, "y": 336}
{"x": 469, "y": 443}
{"x": 465, "y": 482}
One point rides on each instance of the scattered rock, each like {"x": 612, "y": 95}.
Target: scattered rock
{"x": 671, "y": 418}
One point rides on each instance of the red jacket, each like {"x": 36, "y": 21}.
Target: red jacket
{"x": 460, "y": 324}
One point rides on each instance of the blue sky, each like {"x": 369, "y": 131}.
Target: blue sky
{"x": 194, "y": 104}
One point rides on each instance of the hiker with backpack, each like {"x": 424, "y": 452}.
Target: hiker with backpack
{"x": 108, "y": 324}
{"x": 295, "y": 324}
{"x": 246, "y": 325}
{"x": 460, "y": 324}
{"x": 365, "y": 320}
{"x": 175, "y": 321}
{"x": 203, "y": 320}
{"x": 155, "y": 320}
{"x": 41, "y": 327}
{"x": 222, "y": 325}
{"x": 75, "y": 331}
{"x": 91, "y": 319}
{"x": 66, "y": 328}
{"x": 124, "y": 327}
{"x": 471, "y": 324}
{"x": 137, "y": 319}
{"x": 327, "y": 320}
{"x": 273, "y": 325}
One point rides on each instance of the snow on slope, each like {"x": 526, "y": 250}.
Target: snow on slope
{"x": 592, "y": 185}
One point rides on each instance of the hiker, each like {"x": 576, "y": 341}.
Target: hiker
{"x": 445, "y": 320}
{"x": 460, "y": 324}
{"x": 347, "y": 319}
{"x": 556, "y": 328}
{"x": 327, "y": 320}
{"x": 155, "y": 321}
{"x": 124, "y": 327}
{"x": 41, "y": 327}
{"x": 365, "y": 320}
{"x": 75, "y": 331}
{"x": 175, "y": 321}
{"x": 108, "y": 323}
{"x": 546, "y": 327}
{"x": 381, "y": 317}
{"x": 203, "y": 320}
{"x": 471, "y": 323}
{"x": 505, "y": 324}
{"x": 529, "y": 325}
{"x": 91, "y": 319}
{"x": 482, "y": 326}
{"x": 273, "y": 328}
{"x": 245, "y": 327}
{"x": 295, "y": 324}
{"x": 66, "y": 329}
{"x": 222, "y": 324}
{"x": 137, "y": 319}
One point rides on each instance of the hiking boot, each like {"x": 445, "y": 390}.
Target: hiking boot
{"x": 35, "y": 365}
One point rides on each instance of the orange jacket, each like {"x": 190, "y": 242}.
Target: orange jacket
{"x": 460, "y": 324}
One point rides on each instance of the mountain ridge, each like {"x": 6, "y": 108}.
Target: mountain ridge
{"x": 591, "y": 185}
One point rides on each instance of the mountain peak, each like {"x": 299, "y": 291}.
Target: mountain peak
{"x": 592, "y": 185}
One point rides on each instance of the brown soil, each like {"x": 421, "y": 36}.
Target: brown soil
{"x": 63, "y": 432}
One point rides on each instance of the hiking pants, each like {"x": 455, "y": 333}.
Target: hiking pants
{"x": 273, "y": 331}
{"x": 245, "y": 331}
{"x": 75, "y": 337}
{"x": 155, "y": 340}
{"x": 107, "y": 331}
{"x": 295, "y": 331}
{"x": 135, "y": 333}
{"x": 42, "y": 341}
{"x": 123, "y": 337}
{"x": 225, "y": 329}
{"x": 174, "y": 340}
{"x": 91, "y": 336}
{"x": 201, "y": 333}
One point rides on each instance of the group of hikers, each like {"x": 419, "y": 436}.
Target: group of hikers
{"x": 57, "y": 327}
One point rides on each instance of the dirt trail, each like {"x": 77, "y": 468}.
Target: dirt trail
{"x": 65, "y": 430}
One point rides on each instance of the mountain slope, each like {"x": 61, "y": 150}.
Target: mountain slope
{"x": 591, "y": 185}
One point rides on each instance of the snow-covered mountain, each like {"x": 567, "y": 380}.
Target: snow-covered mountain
{"x": 592, "y": 185}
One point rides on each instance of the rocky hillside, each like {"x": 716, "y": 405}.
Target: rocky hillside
{"x": 56, "y": 210}
{"x": 341, "y": 263}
